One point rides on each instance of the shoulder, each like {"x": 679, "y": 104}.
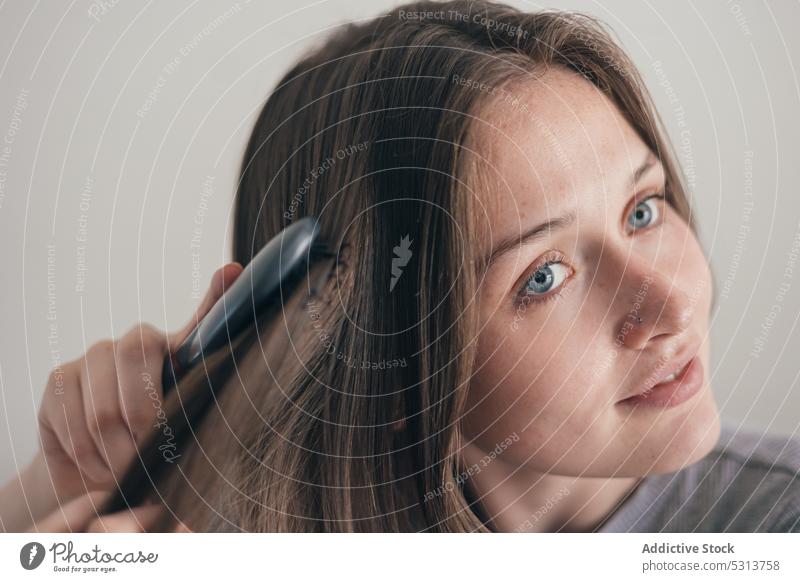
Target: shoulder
{"x": 759, "y": 450}
{"x": 753, "y": 477}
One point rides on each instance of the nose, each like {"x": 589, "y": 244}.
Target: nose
{"x": 651, "y": 305}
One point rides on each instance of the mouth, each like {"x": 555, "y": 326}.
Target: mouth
{"x": 673, "y": 389}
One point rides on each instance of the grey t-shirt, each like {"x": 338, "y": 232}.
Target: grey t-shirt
{"x": 749, "y": 482}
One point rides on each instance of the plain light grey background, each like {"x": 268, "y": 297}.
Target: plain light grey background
{"x": 122, "y": 125}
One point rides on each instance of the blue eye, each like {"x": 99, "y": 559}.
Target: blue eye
{"x": 545, "y": 278}
{"x": 645, "y": 213}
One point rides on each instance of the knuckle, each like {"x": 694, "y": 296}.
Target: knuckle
{"x": 57, "y": 380}
{"x": 138, "y": 418}
{"x": 43, "y": 417}
{"x": 140, "y": 342}
{"x": 99, "y": 351}
{"x": 150, "y": 332}
{"x": 147, "y": 334}
{"x": 101, "y": 420}
{"x": 130, "y": 347}
{"x": 82, "y": 449}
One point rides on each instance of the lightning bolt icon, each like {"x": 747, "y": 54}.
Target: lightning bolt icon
{"x": 402, "y": 256}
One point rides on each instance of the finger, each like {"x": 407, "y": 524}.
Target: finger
{"x": 73, "y": 516}
{"x": 182, "y": 528}
{"x": 64, "y": 429}
{"x": 140, "y": 356}
{"x": 220, "y": 281}
{"x": 72, "y": 476}
{"x": 102, "y": 408}
{"x": 135, "y": 520}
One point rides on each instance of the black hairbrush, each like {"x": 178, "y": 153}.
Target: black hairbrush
{"x": 275, "y": 269}
{"x": 257, "y": 286}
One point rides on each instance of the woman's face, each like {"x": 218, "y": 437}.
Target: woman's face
{"x": 560, "y": 347}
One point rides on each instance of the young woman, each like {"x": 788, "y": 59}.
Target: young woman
{"x": 512, "y": 337}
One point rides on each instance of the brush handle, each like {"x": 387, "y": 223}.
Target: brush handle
{"x": 171, "y": 373}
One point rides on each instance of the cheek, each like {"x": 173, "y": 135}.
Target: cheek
{"x": 530, "y": 379}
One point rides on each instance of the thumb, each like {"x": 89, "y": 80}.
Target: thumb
{"x": 220, "y": 281}
{"x": 134, "y": 520}
{"x": 74, "y": 515}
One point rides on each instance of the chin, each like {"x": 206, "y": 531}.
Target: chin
{"x": 688, "y": 437}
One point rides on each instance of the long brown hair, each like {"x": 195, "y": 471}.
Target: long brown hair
{"x": 340, "y": 410}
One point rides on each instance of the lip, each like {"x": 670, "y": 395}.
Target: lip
{"x": 672, "y": 393}
{"x": 664, "y": 367}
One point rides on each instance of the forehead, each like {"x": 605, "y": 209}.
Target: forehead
{"x": 557, "y": 143}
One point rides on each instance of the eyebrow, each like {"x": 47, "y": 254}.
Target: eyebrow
{"x": 543, "y": 230}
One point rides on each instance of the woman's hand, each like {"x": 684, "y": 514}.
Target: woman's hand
{"x": 97, "y": 410}
{"x": 81, "y": 515}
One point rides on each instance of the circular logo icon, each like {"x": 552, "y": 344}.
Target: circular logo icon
{"x": 31, "y": 555}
